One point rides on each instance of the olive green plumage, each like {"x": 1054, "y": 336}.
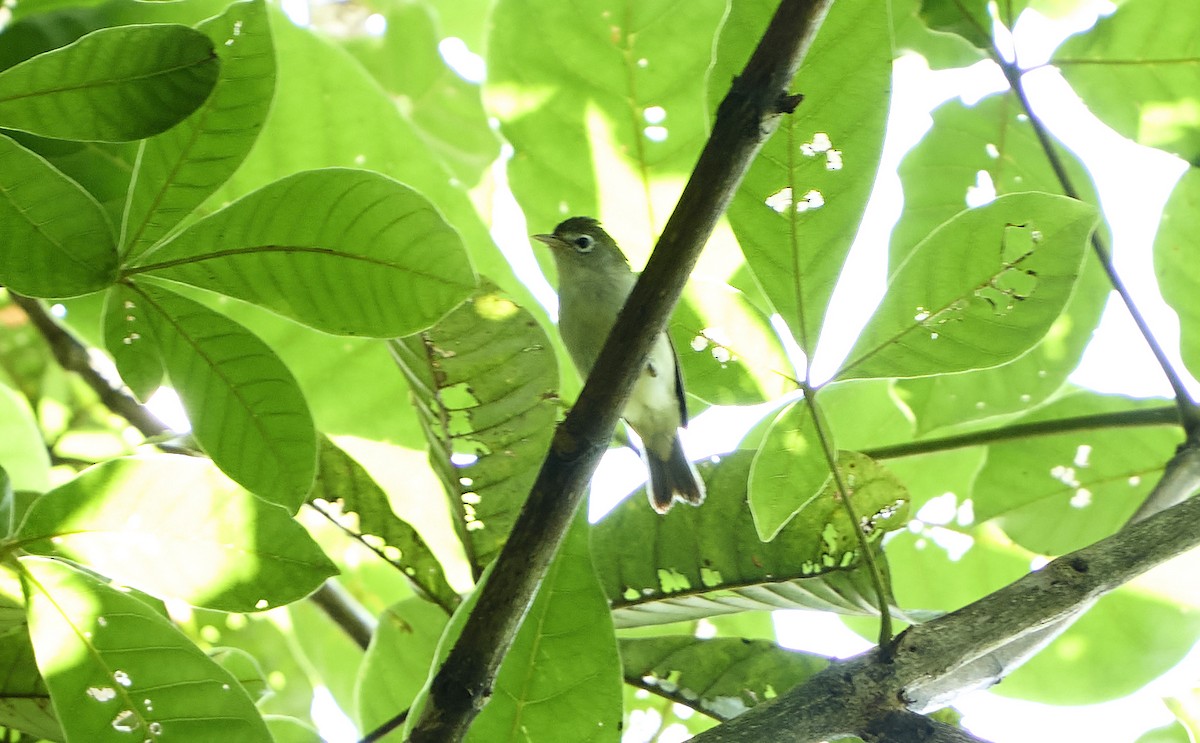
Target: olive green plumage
{"x": 594, "y": 280}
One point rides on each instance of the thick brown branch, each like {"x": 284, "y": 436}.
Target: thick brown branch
{"x": 744, "y": 121}
{"x": 851, "y": 696}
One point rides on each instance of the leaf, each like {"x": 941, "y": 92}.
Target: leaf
{"x": 245, "y": 408}
{"x": 789, "y": 470}
{"x": 443, "y": 108}
{"x": 330, "y": 112}
{"x": 24, "y": 700}
{"x": 55, "y": 240}
{"x": 1002, "y": 271}
{"x": 175, "y": 527}
{"x": 799, "y": 207}
{"x": 345, "y": 251}
{"x": 992, "y": 141}
{"x": 398, "y": 660}
{"x": 698, "y": 562}
{"x": 1175, "y": 263}
{"x": 721, "y": 676}
{"x": 607, "y": 111}
{"x": 113, "y": 85}
{"x": 561, "y": 680}
{"x": 121, "y": 668}
{"x": 967, "y": 18}
{"x": 941, "y": 49}
{"x": 1138, "y": 71}
{"x": 243, "y": 667}
{"x": 1056, "y": 494}
{"x": 484, "y": 381}
{"x": 340, "y": 479}
{"x": 180, "y": 168}
{"x": 129, "y": 336}
{"x": 729, "y": 353}
{"x": 23, "y": 456}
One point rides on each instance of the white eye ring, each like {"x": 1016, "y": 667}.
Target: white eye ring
{"x": 584, "y": 244}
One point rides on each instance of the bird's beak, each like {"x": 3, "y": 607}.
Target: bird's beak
{"x": 551, "y": 240}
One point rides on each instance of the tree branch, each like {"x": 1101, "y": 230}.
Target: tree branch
{"x": 75, "y": 357}
{"x": 850, "y": 696}
{"x": 745, "y": 119}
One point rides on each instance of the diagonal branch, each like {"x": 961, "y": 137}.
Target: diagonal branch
{"x": 744, "y": 121}
{"x": 853, "y": 696}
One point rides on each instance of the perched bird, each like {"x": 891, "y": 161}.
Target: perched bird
{"x": 594, "y": 280}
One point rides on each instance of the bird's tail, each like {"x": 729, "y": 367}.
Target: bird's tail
{"x": 673, "y": 478}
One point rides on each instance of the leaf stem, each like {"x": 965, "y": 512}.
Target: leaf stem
{"x": 1159, "y": 416}
{"x": 827, "y": 448}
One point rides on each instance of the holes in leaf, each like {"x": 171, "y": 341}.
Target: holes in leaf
{"x": 782, "y": 201}
{"x": 983, "y": 192}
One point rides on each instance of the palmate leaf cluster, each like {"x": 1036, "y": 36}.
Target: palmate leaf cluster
{"x": 291, "y": 226}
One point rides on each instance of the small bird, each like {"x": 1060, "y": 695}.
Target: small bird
{"x": 594, "y": 280}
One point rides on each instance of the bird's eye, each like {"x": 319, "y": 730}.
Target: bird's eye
{"x": 584, "y": 243}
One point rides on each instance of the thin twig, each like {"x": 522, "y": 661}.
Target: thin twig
{"x": 831, "y": 458}
{"x": 1189, "y": 414}
{"x": 346, "y": 612}
{"x": 1163, "y": 416}
{"x": 744, "y": 121}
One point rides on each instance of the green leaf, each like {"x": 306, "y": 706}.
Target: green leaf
{"x": 992, "y": 140}
{"x": 115, "y": 84}
{"x": 729, "y": 353}
{"x": 789, "y": 470}
{"x": 562, "y": 678}
{"x": 245, "y": 668}
{"x": 332, "y": 655}
{"x": 1138, "y": 71}
{"x": 799, "y": 207}
{"x": 346, "y": 251}
{"x": 331, "y": 113}
{"x": 607, "y": 110}
{"x": 699, "y": 562}
{"x": 340, "y": 479}
{"x": 1056, "y": 494}
{"x": 24, "y": 700}
{"x": 445, "y": 110}
{"x": 1175, "y": 263}
{"x": 966, "y": 18}
{"x": 940, "y": 49}
{"x": 175, "y": 527}
{"x": 1003, "y": 271}
{"x": 122, "y": 669}
{"x": 180, "y": 168}
{"x": 245, "y": 408}
{"x": 484, "y": 382}
{"x": 129, "y": 337}
{"x": 722, "y": 677}
{"x": 23, "y": 456}
{"x": 288, "y": 679}
{"x": 55, "y": 240}
{"x": 102, "y": 168}
{"x": 398, "y": 660}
